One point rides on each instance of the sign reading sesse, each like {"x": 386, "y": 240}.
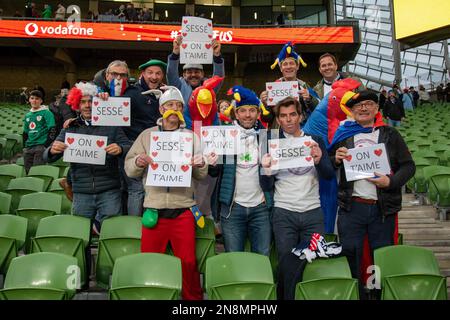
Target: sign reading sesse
{"x": 111, "y": 112}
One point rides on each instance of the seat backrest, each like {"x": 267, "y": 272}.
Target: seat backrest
{"x": 414, "y": 287}
{"x": 327, "y": 268}
{"x": 121, "y": 227}
{"x": 327, "y": 289}
{"x": 5, "y": 203}
{"x": 46, "y": 270}
{"x": 431, "y": 171}
{"x": 44, "y": 170}
{"x": 65, "y": 226}
{"x": 403, "y": 259}
{"x": 26, "y": 183}
{"x": 13, "y": 170}
{"x": 205, "y": 241}
{"x": 42, "y": 201}
{"x": 151, "y": 270}
{"x": 13, "y": 227}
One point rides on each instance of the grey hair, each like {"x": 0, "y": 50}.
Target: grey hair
{"x": 118, "y": 63}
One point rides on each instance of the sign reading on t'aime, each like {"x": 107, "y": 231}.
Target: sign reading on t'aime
{"x": 277, "y": 91}
{"x": 362, "y": 162}
{"x": 174, "y": 147}
{"x": 166, "y": 174}
{"x": 85, "y": 148}
{"x": 291, "y": 153}
{"x": 197, "y": 36}
{"x": 112, "y": 112}
{"x": 222, "y": 140}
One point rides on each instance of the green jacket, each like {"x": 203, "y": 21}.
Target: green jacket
{"x": 37, "y": 125}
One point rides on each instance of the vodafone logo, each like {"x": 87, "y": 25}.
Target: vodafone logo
{"x": 31, "y": 29}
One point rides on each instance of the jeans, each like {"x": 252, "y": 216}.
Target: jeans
{"x": 290, "y": 228}
{"x": 32, "y": 156}
{"x": 99, "y": 206}
{"x": 136, "y": 192}
{"x": 394, "y": 123}
{"x": 242, "y": 222}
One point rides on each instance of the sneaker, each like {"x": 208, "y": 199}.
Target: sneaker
{"x": 67, "y": 188}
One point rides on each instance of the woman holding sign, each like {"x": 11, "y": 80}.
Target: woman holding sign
{"x": 168, "y": 216}
{"x": 368, "y": 205}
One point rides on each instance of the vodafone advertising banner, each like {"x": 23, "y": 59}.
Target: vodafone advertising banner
{"x": 166, "y": 33}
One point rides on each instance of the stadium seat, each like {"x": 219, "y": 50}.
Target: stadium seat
{"x": 13, "y": 144}
{"x": 409, "y": 273}
{"x": 13, "y": 231}
{"x": 426, "y": 154}
{"x": 431, "y": 171}
{"x": 205, "y": 244}
{"x": 146, "y": 276}
{"x": 41, "y": 276}
{"x": 34, "y": 207}
{"x": 20, "y": 161}
{"x": 65, "y": 234}
{"x": 22, "y": 186}
{"x": 327, "y": 279}
{"x": 239, "y": 276}
{"x": 66, "y": 206}
{"x": 438, "y": 191}
{"x": 417, "y": 183}
{"x": 46, "y": 172}
{"x": 5, "y": 203}
{"x": 2, "y": 146}
{"x": 61, "y": 165}
{"x": 9, "y": 172}
{"x": 119, "y": 236}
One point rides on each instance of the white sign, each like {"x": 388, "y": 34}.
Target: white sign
{"x": 196, "y": 29}
{"x": 112, "y": 112}
{"x": 165, "y": 174}
{"x": 196, "y": 52}
{"x": 222, "y": 140}
{"x": 277, "y": 91}
{"x": 85, "y": 148}
{"x": 174, "y": 147}
{"x": 291, "y": 153}
{"x": 362, "y": 162}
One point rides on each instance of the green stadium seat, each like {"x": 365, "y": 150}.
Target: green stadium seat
{"x": 20, "y": 161}
{"x": 205, "y": 244}
{"x": 64, "y": 234}
{"x": 41, "y": 276}
{"x": 146, "y": 276}
{"x": 119, "y": 236}
{"x": 14, "y": 144}
{"x": 327, "y": 279}
{"x": 9, "y": 172}
{"x": 439, "y": 149}
{"x": 62, "y": 166}
{"x": 409, "y": 273}
{"x": 438, "y": 191}
{"x": 66, "y": 206}
{"x": 418, "y": 183}
{"x": 45, "y": 172}
{"x": 239, "y": 276}
{"x": 5, "y": 203}
{"x": 13, "y": 230}
{"x": 2, "y": 146}
{"x": 426, "y": 154}
{"x": 21, "y": 186}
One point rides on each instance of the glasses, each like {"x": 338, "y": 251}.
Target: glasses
{"x": 116, "y": 74}
{"x": 368, "y": 105}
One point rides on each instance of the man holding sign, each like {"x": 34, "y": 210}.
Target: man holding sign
{"x": 297, "y": 213}
{"x": 94, "y": 168}
{"x": 168, "y": 215}
{"x": 369, "y": 205}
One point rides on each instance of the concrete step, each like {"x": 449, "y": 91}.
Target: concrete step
{"x": 444, "y": 264}
{"x": 424, "y": 220}
{"x": 444, "y": 232}
{"x": 428, "y": 243}
{"x": 446, "y": 273}
{"x": 407, "y": 226}
{"x": 438, "y": 249}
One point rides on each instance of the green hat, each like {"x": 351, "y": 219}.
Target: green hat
{"x": 154, "y": 62}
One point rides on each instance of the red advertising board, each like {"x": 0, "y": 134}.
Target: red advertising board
{"x": 166, "y": 33}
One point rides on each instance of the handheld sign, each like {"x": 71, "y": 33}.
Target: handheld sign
{"x": 85, "y": 149}
{"x": 196, "y": 52}
{"x": 112, "y": 112}
{"x": 277, "y": 91}
{"x": 196, "y": 29}
{"x": 166, "y": 174}
{"x": 291, "y": 153}
{"x": 362, "y": 162}
{"x": 222, "y": 140}
{"x": 174, "y": 147}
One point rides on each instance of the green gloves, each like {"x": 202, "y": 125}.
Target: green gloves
{"x": 150, "y": 218}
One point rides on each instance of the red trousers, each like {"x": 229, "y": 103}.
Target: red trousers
{"x": 181, "y": 234}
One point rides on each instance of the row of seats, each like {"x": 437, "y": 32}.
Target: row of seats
{"x": 11, "y": 128}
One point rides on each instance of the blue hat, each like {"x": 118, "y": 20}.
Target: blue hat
{"x": 288, "y": 52}
{"x": 244, "y": 97}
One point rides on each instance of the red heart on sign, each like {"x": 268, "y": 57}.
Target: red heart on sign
{"x": 270, "y": 99}
{"x": 95, "y": 103}
{"x": 307, "y": 143}
{"x": 204, "y": 133}
{"x": 378, "y": 152}
{"x": 207, "y": 45}
{"x": 296, "y": 98}
{"x": 154, "y": 166}
{"x": 308, "y": 159}
{"x": 125, "y": 119}
{"x": 269, "y": 87}
{"x": 188, "y": 155}
{"x": 210, "y": 36}
{"x": 184, "y": 45}
{"x": 349, "y": 157}
{"x": 100, "y": 143}
{"x": 233, "y": 133}
{"x": 154, "y": 153}
{"x": 185, "y": 168}
{"x": 184, "y": 34}
{"x": 185, "y": 21}
{"x": 95, "y": 118}
{"x": 70, "y": 140}
{"x": 273, "y": 145}
{"x": 188, "y": 139}
{"x": 155, "y": 138}
{"x": 126, "y": 103}
{"x": 209, "y": 24}
{"x": 294, "y": 86}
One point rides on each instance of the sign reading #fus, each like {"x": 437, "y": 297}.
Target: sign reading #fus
{"x": 291, "y": 153}
{"x": 85, "y": 148}
{"x": 361, "y": 163}
{"x": 112, "y": 112}
{"x": 277, "y": 91}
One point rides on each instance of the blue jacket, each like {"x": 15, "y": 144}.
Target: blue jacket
{"x": 173, "y": 79}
